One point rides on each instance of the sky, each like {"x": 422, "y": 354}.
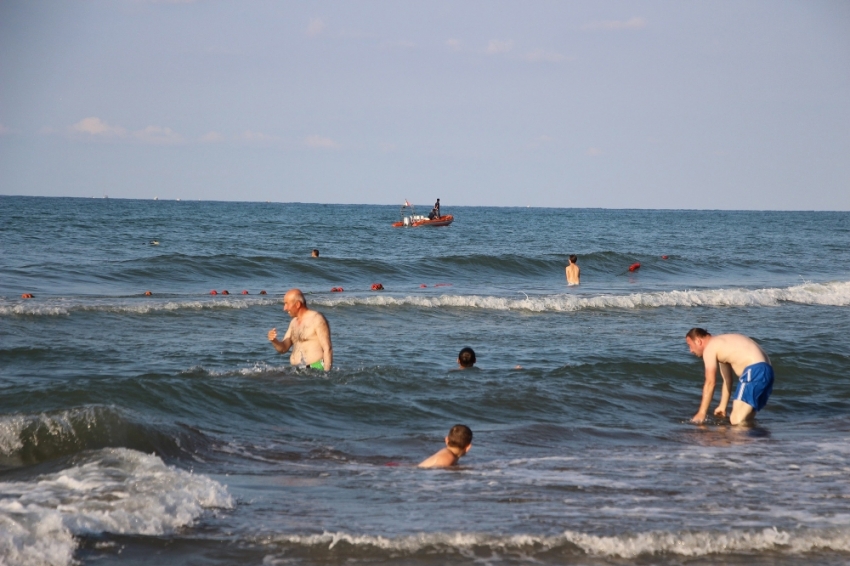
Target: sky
{"x": 637, "y": 104}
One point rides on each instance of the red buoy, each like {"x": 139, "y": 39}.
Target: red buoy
{"x": 443, "y": 285}
{"x": 336, "y": 289}
{"x": 27, "y": 296}
{"x": 665, "y": 256}
{"x": 225, "y": 292}
{"x": 423, "y": 285}
{"x": 634, "y": 267}
{"x": 377, "y": 287}
{"x": 213, "y": 292}
{"x": 244, "y": 292}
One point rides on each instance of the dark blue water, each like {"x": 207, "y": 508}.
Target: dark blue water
{"x": 134, "y": 426}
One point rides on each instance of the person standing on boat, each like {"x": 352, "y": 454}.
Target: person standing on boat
{"x": 437, "y": 208}
{"x": 309, "y": 334}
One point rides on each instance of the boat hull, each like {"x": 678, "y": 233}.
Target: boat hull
{"x": 441, "y": 221}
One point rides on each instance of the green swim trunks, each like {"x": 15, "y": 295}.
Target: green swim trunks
{"x": 318, "y": 365}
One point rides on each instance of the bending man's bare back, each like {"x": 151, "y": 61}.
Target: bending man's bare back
{"x": 732, "y": 353}
{"x": 309, "y": 334}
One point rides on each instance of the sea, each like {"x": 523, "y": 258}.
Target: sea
{"x": 164, "y": 428}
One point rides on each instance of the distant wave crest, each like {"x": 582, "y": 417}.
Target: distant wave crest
{"x": 825, "y": 294}
{"x": 56, "y": 307}
{"x": 830, "y": 294}
{"x": 687, "y": 543}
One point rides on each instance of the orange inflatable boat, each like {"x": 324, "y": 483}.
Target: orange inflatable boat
{"x": 415, "y": 221}
{"x": 409, "y": 219}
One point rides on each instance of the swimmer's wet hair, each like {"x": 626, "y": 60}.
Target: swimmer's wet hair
{"x": 573, "y": 258}
{"x": 695, "y": 333}
{"x": 460, "y": 436}
{"x": 466, "y": 358}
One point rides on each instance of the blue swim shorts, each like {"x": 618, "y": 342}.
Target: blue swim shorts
{"x": 755, "y": 385}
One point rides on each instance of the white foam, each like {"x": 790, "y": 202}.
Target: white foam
{"x": 65, "y": 307}
{"x": 33, "y": 535}
{"x": 256, "y": 370}
{"x": 625, "y": 546}
{"x": 413, "y": 543}
{"x": 704, "y": 543}
{"x": 116, "y": 490}
{"x": 10, "y": 433}
{"x": 828, "y": 294}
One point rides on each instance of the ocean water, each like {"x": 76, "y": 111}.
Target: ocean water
{"x": 165, "y": 429}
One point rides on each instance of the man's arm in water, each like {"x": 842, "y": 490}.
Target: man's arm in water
{"x": 725, "y": 390}
{"x": 710, "y": 359}
{"x": 323, "y": 333}
{"x": 282, "y": 346}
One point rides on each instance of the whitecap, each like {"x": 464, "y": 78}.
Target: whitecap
{"x": 114, "y": 490}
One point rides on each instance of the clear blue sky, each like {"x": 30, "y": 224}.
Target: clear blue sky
{"x": 730, "y": 105}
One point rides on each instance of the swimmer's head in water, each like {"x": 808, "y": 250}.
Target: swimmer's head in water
{"x": 460, "y": 436}
{"x": 696, "y": 339}
{"x": 466, "y": 358}
{"x": 315, "y": 253}
{"x": 573, "y": 258}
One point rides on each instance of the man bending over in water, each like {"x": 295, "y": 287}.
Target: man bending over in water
{"x": 732, "y": 353}
{"x": 308, "y": 335}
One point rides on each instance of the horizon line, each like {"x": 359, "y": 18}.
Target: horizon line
{"x": 157, "y": 199}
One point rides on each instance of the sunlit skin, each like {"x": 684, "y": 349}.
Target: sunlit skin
{"x": 446, "y": 457}
{"x": 732, "y": 353}
{"x": 309, "y": 334}
{"x": 573, "y": 274}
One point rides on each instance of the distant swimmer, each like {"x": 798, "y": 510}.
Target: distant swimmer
{"x": 154, "y": 242}
{"x": 573, "y": 271}
{"x": 458, "y": 443}
{"x": 309, "y": 334}
{"x": 732, "y": 353}
{"x": 315, "y": 253}
{"x": 466, "y": 358}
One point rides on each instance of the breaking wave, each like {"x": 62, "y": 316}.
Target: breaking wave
{"x": 114, "y": 490}
{"x": 826, "y": 294}
{"x": 685, "y": 543}
{"x": 823, "y": 294}
{"x": 60, "y": 307}
{"x": 27, "y": 439}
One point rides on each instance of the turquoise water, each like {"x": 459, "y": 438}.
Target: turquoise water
{"x": 134, "y": 426}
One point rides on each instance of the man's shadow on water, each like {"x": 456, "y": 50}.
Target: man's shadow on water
{"x": 717, "y": 432}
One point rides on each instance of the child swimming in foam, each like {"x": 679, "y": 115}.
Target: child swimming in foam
{"x": 458, "y": 443}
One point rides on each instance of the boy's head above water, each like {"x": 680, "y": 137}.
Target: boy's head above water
{"x": 460, "y": 436}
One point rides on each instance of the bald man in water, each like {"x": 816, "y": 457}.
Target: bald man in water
{"x": 732, "y": 353}
{"x": 309, "y": 334}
